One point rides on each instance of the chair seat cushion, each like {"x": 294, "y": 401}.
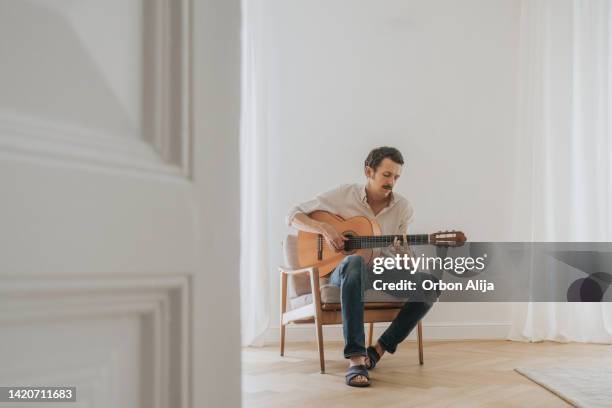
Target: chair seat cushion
{"x": 330, "y": 294}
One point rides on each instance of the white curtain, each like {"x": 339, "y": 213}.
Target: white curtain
{"x": 254, "y": 267}
{"x": 565, "y": 150}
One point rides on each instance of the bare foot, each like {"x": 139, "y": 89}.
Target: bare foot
{"x": 358, "y": 360}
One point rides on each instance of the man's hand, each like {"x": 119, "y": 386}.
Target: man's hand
{"x": 333, "y": 239}
{"x": 303, "y": 222}
{"x": 401, "y": 247}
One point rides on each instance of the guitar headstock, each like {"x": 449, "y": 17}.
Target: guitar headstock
{"x": 447, "y": 238}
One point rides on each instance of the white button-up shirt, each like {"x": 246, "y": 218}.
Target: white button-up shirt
{"x": 349, "y": 200}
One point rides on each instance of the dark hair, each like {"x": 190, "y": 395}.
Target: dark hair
{"x": 377, "y": 155}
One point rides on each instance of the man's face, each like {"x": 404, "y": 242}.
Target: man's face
{"x": 382, "y": 180}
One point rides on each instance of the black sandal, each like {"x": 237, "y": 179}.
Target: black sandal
{"x": 356, "y": 371}
{"x": 373, "y": 356}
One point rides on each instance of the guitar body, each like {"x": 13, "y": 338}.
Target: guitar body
{"x": 364, "y": 239}
{"x": 314, "y": 251}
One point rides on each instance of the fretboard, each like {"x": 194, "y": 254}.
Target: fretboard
{"x": 380, "y": 241}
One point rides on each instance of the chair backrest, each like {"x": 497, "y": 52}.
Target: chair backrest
{"x": 298, "y": 284}
{"x": 290, "y": 251}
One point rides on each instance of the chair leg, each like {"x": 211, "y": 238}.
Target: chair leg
{"x": 283, "y": 309}
{"x": 316, "y": 297}
{"x": 420, "y": 341}
{"x": 319, "y": 328}
{"x": 370, "y": 334}
{"x": 282, "y": 340}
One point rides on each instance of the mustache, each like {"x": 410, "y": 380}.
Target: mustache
{"x": 388, "y": 187}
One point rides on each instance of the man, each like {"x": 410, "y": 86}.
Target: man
{"x": 375, "y": 200}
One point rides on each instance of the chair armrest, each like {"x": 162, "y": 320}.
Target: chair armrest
{"x": 288, "y": 271}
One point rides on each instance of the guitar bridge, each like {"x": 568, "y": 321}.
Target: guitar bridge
{"x": 320, "y": 247}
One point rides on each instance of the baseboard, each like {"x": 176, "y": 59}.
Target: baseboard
{"x": 431, "y": 331}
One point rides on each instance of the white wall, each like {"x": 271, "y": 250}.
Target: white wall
{"x": 434, "y": 78}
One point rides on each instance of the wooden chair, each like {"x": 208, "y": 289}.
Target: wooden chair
{"x": 313, "y": 300}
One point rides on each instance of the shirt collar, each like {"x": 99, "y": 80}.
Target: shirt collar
{"x": 364, "y": 197}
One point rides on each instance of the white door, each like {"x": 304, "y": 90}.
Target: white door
{"x": 106, "y": 265}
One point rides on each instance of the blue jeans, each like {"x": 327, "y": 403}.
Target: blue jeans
{"x": 351, "y": 275}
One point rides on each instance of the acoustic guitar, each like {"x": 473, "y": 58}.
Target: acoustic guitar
{"x": 364, "y": 238}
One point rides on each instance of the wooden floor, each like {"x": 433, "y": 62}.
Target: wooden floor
{"x": 455, "y": 373}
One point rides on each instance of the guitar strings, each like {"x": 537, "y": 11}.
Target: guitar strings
{"x": 373, "y": 241}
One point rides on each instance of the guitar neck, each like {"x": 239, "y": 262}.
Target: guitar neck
{"x": 381, "y": 241}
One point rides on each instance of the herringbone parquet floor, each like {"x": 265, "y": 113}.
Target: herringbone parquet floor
{"x": 455, "y": 373}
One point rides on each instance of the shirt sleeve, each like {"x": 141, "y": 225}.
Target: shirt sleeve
{"x": 326, "y": 201}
